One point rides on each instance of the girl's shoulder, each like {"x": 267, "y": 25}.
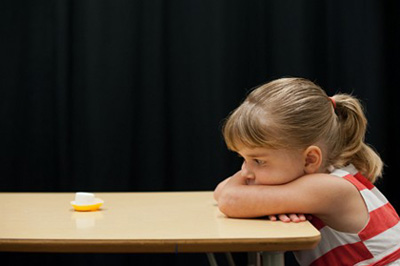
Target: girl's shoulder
{"x": 338, "y": 202}
{"x": 337, "y": 182}
{"x": 324, "y": 182}
{"x": 325, "y": 191}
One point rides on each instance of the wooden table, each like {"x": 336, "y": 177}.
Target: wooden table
{"x": 163, "y": 222}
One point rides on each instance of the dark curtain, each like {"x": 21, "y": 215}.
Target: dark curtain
{"x": 130, "y": 95}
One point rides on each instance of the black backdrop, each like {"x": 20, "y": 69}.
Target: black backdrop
{"x": 130, "y": 95}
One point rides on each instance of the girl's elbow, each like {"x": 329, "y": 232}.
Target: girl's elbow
{"x": 219, "y": 189}
{"x": 228, "y": 206}
{"x": 217, "y": 192}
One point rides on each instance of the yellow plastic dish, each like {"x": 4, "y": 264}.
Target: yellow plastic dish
{"x": 86, "y": 208}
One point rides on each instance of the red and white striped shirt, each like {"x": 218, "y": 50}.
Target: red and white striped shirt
{"x": 378, "y": 243}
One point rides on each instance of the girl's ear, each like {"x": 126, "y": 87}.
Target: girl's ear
{"x": 313, "y": 159}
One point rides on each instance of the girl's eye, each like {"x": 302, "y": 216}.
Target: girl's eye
{"x": 259, "y": 162}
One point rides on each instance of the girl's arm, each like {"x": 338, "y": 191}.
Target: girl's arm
{"x": 314, "y": 194}
{"x": 293, "y": 217}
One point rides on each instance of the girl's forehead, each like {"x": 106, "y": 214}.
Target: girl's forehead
{"x": 255, "y": 151}
{"x": 258, "y": 152}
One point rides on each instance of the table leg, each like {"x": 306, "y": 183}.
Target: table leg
{"x": 229, "y": 258}
{"x": 211, "y": 259}
{"x": 266, "y": 259}
{"x": 273, "y": 258}
{"x": 254, "y": 259}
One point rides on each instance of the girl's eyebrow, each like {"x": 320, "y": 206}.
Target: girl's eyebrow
{"x": 255, "y": 155}
{"x": 258, "y": 155}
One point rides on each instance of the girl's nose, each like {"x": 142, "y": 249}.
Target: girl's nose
{"x": 246, "y": 172}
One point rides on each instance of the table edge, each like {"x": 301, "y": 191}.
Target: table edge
{"x": 156, "y": 246}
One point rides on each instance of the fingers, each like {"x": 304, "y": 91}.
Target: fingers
{"x": 272, "y": 217}
{"x": 284, "y": 218}
{"x": 293, "y": 217}
{"x": 297, "y": 217}
{"x": 280, "y": 217}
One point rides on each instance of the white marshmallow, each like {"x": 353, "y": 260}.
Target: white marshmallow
{"x": 84, "y": 198}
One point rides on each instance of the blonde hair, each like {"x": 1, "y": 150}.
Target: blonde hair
{"x": 294, "y": 113}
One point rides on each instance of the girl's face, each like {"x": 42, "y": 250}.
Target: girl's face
{"x": 263, "y": 166}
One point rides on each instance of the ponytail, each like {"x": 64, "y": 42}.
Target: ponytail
{"x": 351, "y": 147}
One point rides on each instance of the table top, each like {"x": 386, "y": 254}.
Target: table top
{"x": 155, "y": 222}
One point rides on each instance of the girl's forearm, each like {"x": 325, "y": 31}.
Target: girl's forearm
{"x": 243, "y": 201}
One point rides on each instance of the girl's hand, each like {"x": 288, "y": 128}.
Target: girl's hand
{"x": 293, "y": 217}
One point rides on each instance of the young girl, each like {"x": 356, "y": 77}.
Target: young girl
{"x": 304, "y": 152}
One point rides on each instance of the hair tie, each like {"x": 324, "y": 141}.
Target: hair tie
{"x": 333, "y": 102}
